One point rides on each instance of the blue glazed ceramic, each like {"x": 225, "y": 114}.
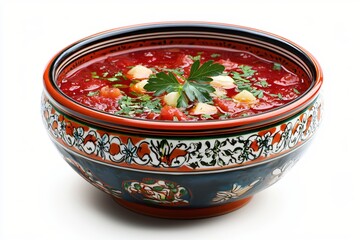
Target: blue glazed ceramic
{"x": 182, "y": 170}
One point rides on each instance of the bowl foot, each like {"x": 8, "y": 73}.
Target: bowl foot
{"x": 183, "y": 213}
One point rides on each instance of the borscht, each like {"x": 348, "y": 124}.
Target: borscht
{"x": 183, "y": 83}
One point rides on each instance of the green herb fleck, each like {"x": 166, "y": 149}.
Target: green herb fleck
{"x": 112, "y": 79}
{"x": 131, "y": 106}
{"x": 296, "y": 91}
{"x": 94, "y": 75}
{"x": 177, "y": 71}
{"x": 239, "y": 77}
{"x": 104, "y": 76}
{"x": 264, "y": 83}
{"x": 195, "y": 58}
{"x": 215, "y": 55}
{"x": 247, "y": 71}
{"x": 90, "y": 94}
{"x": 225, "y": 116}
{"x": 206, "y": 116}
{"x": 257, "y": 93}
{"x": 277, "y": 66}
{"x": 118, "y": 85}
{"x": 119, "y": 74}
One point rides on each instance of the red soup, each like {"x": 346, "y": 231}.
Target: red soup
{"x": 183, "y": 83}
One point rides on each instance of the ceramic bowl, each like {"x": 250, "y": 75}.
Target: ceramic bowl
{"x": 182, "y": 169}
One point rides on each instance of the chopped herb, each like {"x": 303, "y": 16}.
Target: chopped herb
{"x": 112, "y": 79}
{"x": 119, "y": 74}
{"x": 94, "y": 75}
{"x": 215, "y": 55}
{"x": 195, "y": 58}
{"x": 195, "y": 87}
{"x": 145, "y": 97}
{"x": 175, "y": 119}
{"x": 131, "y": 106}
{"x": 206, "y": 116}
{"x": 244, "y": 86}
{"x": 279, "y": 96}
{"x": 177, "y": 71}
{"x": 277, "y": 66}
{"x": 257, "y": 93}
{"x": 296, "y": 91}
{"x": 90, "y": 94}
{"x": 239, "y": 77}
{"x": 264, "y": 83}
{"x": 116, "y": 77}
{"x": 247, "y": 71}
{"x": 225, "y": 116}
{"x": 118, "y": 85}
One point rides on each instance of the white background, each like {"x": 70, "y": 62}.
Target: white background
{"x": 42, "y": 198}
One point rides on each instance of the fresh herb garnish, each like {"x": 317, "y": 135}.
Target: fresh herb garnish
{"x": 225, "y": 116}
{"x": 243, "y": 83}
{"x": 178, "y": 71}
{"x": 296, "y": 91}
{"x": 90, "y": 94}
{"x": 247, "y": 71}
{"x": 215, "y": 55}
{"x": 104, "y": 76}
{"x": 131, "y": 106}
{"x": 277, "y": 66}
{"x": 119, "y": 85}
{"x": 279, "y": 96}
{"x": 195, "y": 58}
{"x": 206, "y": 116}
{"x": 239, "y": 77}
{"x": 264, "y": 83}
{"x": 195, "y": 87}
{"x": 257, "y": 93}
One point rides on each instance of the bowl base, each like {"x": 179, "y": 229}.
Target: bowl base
{"x": 181, "y": 213}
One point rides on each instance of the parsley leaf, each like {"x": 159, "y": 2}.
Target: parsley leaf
{"x": 203, "y": 72}
{"x": 195, "y": 87}
{"x": 162, "y": 83}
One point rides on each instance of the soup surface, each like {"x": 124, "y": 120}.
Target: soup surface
{"x": 183, "y": 83}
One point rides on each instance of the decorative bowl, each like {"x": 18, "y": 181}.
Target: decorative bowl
{"x": 182, "y": 170}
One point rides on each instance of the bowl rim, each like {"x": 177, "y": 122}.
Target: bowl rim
{"x": 93, "y": 116}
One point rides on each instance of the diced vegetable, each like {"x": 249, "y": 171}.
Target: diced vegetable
{"x": 172, "y": 114}
{"x": 225, "y": 82}
{"x": 245, "y": 97}
{"x": 139, "y": 72}
{"x": 110, "y": 92}
{"x": 219, "y": 92}
{"x": 171, "y": 98}
{"x": 203, "y": 108}
{"x": 139, "y": 86}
